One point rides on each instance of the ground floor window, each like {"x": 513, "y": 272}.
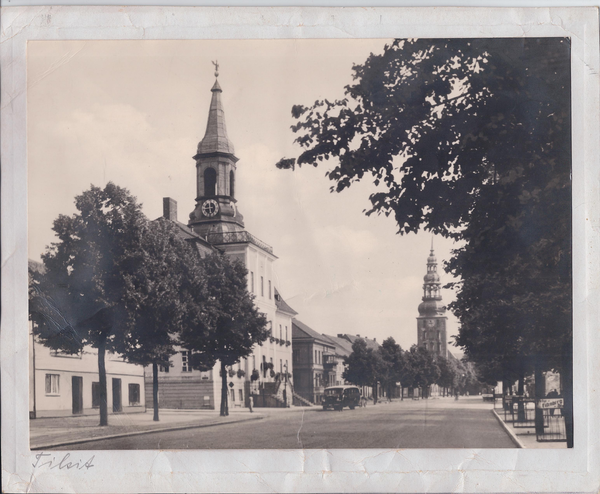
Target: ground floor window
{"x": 134, "y": 394}
{"x": 95, "y": 395}
{"x": 241, "y": 396}
{"x": 232, "y": 395}
{"x": 53, "y": 384}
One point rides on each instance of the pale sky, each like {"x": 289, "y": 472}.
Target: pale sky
{"x": 133, "y": 112}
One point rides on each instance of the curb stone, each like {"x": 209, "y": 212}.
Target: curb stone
{"x": 512, "y": 435}
{"x": 139, "y": 433}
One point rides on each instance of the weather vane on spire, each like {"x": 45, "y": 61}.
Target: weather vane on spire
{"x": 216, "y": 64}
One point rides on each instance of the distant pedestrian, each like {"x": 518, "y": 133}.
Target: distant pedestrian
{"x": 552, "y": 394}
{"x": 250, "y": 403}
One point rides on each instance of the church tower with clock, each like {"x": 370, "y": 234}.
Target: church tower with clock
{"x": 431, "y": 322}
{"x": 215, "y": 213}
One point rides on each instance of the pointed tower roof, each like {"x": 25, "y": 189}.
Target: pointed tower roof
{"x": 431, "y": 305}
{"x": 215, "y": 139}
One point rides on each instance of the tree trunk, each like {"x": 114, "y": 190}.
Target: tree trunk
{"x": 521, "y": 406}
{"x": 540, "y": 392}
{"x": 155, "y": 390}
{"x": 375, "y": 393}
{"x": 102, "y": 383}
{"x": 401, "y": 393}
{"x": 567, "y": 393}
{"x": 224, "y": 407}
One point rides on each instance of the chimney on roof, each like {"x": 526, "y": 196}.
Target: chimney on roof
{"x": 374, "y": 339}
{"x": 358, "y": 335}
{"x": 340, "y": 335}
{"x": 169, "y": 208}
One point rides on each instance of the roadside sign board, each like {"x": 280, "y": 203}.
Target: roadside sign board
{"x": 547, "y": 403}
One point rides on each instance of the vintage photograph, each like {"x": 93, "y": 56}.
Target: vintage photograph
{"x": 300, "y": 244}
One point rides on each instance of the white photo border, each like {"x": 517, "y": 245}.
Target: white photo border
{"x": 372, "y": 470}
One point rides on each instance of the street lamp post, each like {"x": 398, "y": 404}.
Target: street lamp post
{"x": 285, "y": 386}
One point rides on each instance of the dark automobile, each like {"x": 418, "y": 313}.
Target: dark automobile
{"x": 338, "y": 397}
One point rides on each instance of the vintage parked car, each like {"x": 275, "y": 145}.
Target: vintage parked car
{"x": 338, "y": 397}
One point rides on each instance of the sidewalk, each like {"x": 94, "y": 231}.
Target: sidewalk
{"x": 525, "y": 437}
{"x": 46, "y": 433}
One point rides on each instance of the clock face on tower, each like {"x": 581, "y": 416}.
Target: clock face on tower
{"x": 430, "y": 323}
{"x": 210, "y": 207}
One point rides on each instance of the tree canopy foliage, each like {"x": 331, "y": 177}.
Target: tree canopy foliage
{"x": 166, "y": 295}
{"x": 469, "y": 138}
{"x": 233, "y": 321}
{"x": 87, "y": 272}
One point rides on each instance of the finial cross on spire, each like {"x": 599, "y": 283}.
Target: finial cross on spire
{"x": 216, "y": 64}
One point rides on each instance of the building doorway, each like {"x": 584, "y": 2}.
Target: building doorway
{"x": 116, "y": 391}
{"x": 77, "y": 392}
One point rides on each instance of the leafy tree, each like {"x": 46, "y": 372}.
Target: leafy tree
{"x": 470, "y": 138}
{"x": 424, "y": 368}
{"x": 363, "y": 366}
{"x": 392, "y": 364}
{"x": 166, "y": 293}
{"x": 86, "y": 273}
{"x": 447, "y": 373}
{"x": 234, "y": 324}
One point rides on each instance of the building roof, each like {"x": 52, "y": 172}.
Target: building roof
{"x": 352, "y": 338}
{"x": 343, "y": 347}
{"x": 282, "y": 305}
{"x": 215, "y": 139}
{"x": 186, "y": 233}
{"x": 301, "y": 330}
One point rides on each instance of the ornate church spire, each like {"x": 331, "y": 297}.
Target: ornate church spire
{"x": 431, "y": 288}
{"x": 215, "y": 214}
{"x": 215, "y": 138}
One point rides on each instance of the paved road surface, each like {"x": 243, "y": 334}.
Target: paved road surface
{"x": 408, "y": 424}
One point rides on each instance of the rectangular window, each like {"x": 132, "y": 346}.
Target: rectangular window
{"x": 269, "y": 289}
{"x": 286, "y": 335}
{"x": 262, "y": 286}
{"x": 52, "y": 384}
{"x": 65, "y": 354}
{"x": 280, "y": 365}
{"x": 163, "y": 368}
{"x": 316, "y": 357}
{"x": 185, "y": 361}
{"x": 95, "y": 395}
{"x": 233, "y": 396}
{"x": 241, "y": 396}
{"x": 280, "y": 333}
{"x": 252, "y": 281}
{"x": 134, "y": 394}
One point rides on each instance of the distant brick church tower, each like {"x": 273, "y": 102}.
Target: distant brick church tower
{"x": 431, "y": 322}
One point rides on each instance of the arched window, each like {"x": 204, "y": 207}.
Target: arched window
{"x": 231, "y": 184}
{"x": 210, "y": 182}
